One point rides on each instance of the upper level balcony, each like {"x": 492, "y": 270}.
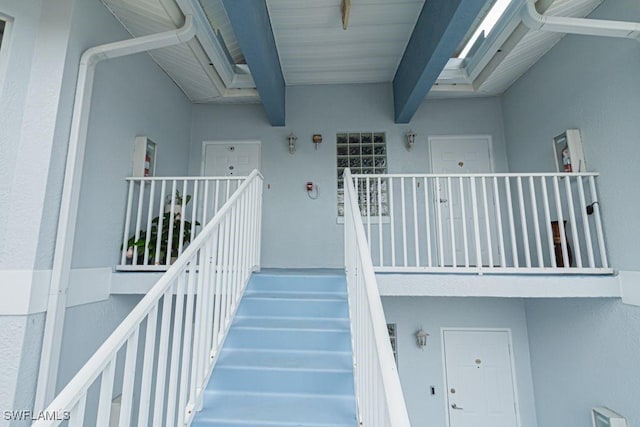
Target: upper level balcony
{"x": 534, "y": 223}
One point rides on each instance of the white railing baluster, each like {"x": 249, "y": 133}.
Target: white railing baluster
{"x": 368, "y": 210}
{"x": 563, "y": 236}
{"x": 577, "y": 255}
{"x": 487, "y": 221}
{"x": 186, "y": 347}
{"x": 129, "y": 377}
{"x": 536, "y": 221}
{"x": 454, "y": 261}
{"x": 404, "y": 223}
{"x": 127, "y": 224}
{"x": 392, "y": 223}
{"x": 416, "y": 234}
{"x": 161, "y": 372}
{"x": 523, "y": 223}
{"x": 512, "y": 226}
{"x": 152, "y": 192}
{"x": 585, "y": 223}
{"x": 380, "y": 241}
{"x": 547, "y": 221}
{"x": 138, "y": 221}
{"x": 106, "y": 395}
{"x": 163, "y": 193}
{"x": 598, "y": 220}
{"x": 147, "y": 367}
{"x": 171, "y": 223}
{"x": 498, "y": 209}
{"x": 439, "y": 218}
{"x": 463, "y": 211}
{"x": 476, "y": 222}
{"x": 76, "y": 417}
{"x": 175, "y": 353}
{"x": 183, "y": 214}
{"x": 427, "y": 208}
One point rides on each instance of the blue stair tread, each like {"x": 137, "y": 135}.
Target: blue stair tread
{"x": 280, "y": 307}
{"x": 305, "y": 323}
{"x": 304, "y": 360}
{"x": 297, "y": 294}
{"x": 281, "y": 381}
{"x": 297, "y": 283}
{"x": 249, "y": 409}
{"x": 261, "y": 338}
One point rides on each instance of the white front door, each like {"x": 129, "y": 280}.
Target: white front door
{"x": 463, "y": 155}
{"x": 479, "y": 379}
{"x": 230, "y": 158}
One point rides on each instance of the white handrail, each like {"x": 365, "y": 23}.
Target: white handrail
{"x": 204, "y": 270}
{"x": 500, "y": 223}
{"x": 378, "y": 391}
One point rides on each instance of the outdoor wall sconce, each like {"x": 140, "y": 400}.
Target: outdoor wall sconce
{"x": 411, "y": 139}
{"x": 292, "y": 143}
{"x": 421, "y": 338}
{"x": 317, "y": 139}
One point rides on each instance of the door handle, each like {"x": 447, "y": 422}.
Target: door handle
{"x": 454, "y": 406}
{"x": 443, "y": 200}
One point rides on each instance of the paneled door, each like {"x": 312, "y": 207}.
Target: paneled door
{"x": 454, "y": 201}
{"x": 479, "y": 378}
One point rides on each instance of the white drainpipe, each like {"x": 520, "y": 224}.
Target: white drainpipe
{"x": 590, "y": 27}
{"x": 52, "y": 341}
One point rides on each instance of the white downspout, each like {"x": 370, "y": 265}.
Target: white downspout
{"x": 52, "y": 341}
{"x": 590, "y": 27}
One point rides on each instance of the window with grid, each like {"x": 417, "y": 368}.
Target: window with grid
{"x": 364, "y": 153}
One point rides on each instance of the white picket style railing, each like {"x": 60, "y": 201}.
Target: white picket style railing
{"x": 160, "y": 358}
{"x": 532, "y": 223}
{"x": 378, "y": 392}
{"x": 155, "y": 202}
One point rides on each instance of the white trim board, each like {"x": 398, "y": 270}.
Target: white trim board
{"x": 499, "y": 285}
{"x": 24, "y": 292}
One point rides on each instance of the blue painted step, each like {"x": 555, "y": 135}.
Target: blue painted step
{"x": 287, "y": 360}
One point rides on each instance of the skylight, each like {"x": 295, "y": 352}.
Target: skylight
{"x": 487, "y": 24}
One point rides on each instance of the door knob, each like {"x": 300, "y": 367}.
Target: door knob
{"x": 454, "y": 406}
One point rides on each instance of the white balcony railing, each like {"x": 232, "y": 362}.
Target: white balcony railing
{"x": 378, "y": 392}
{"x": 160, "y": 358}
{"x": 493, "y": 223}
{"x": 164, "y": 214}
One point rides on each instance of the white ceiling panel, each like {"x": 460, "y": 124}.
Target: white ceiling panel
{"x": 314, "y": 49}
{"x": 187, "y": 65}
{"x": 533, "y": 46}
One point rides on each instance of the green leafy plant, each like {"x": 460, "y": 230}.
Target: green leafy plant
{"x": 163, "y": 239}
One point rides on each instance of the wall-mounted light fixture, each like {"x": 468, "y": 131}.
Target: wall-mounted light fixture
{"x": 317, "y": 139}
{"x": 292, "y": 143}
{"x": 411, "y": 139}
{"x": 421, "y": 338}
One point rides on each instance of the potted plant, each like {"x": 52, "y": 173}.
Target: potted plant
{"x": 163, "y": 239}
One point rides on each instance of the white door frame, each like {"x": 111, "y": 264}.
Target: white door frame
{"x": 205, "y": 144}
{"x": 516, "y": 401}
{"x": 435, "y": 191}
